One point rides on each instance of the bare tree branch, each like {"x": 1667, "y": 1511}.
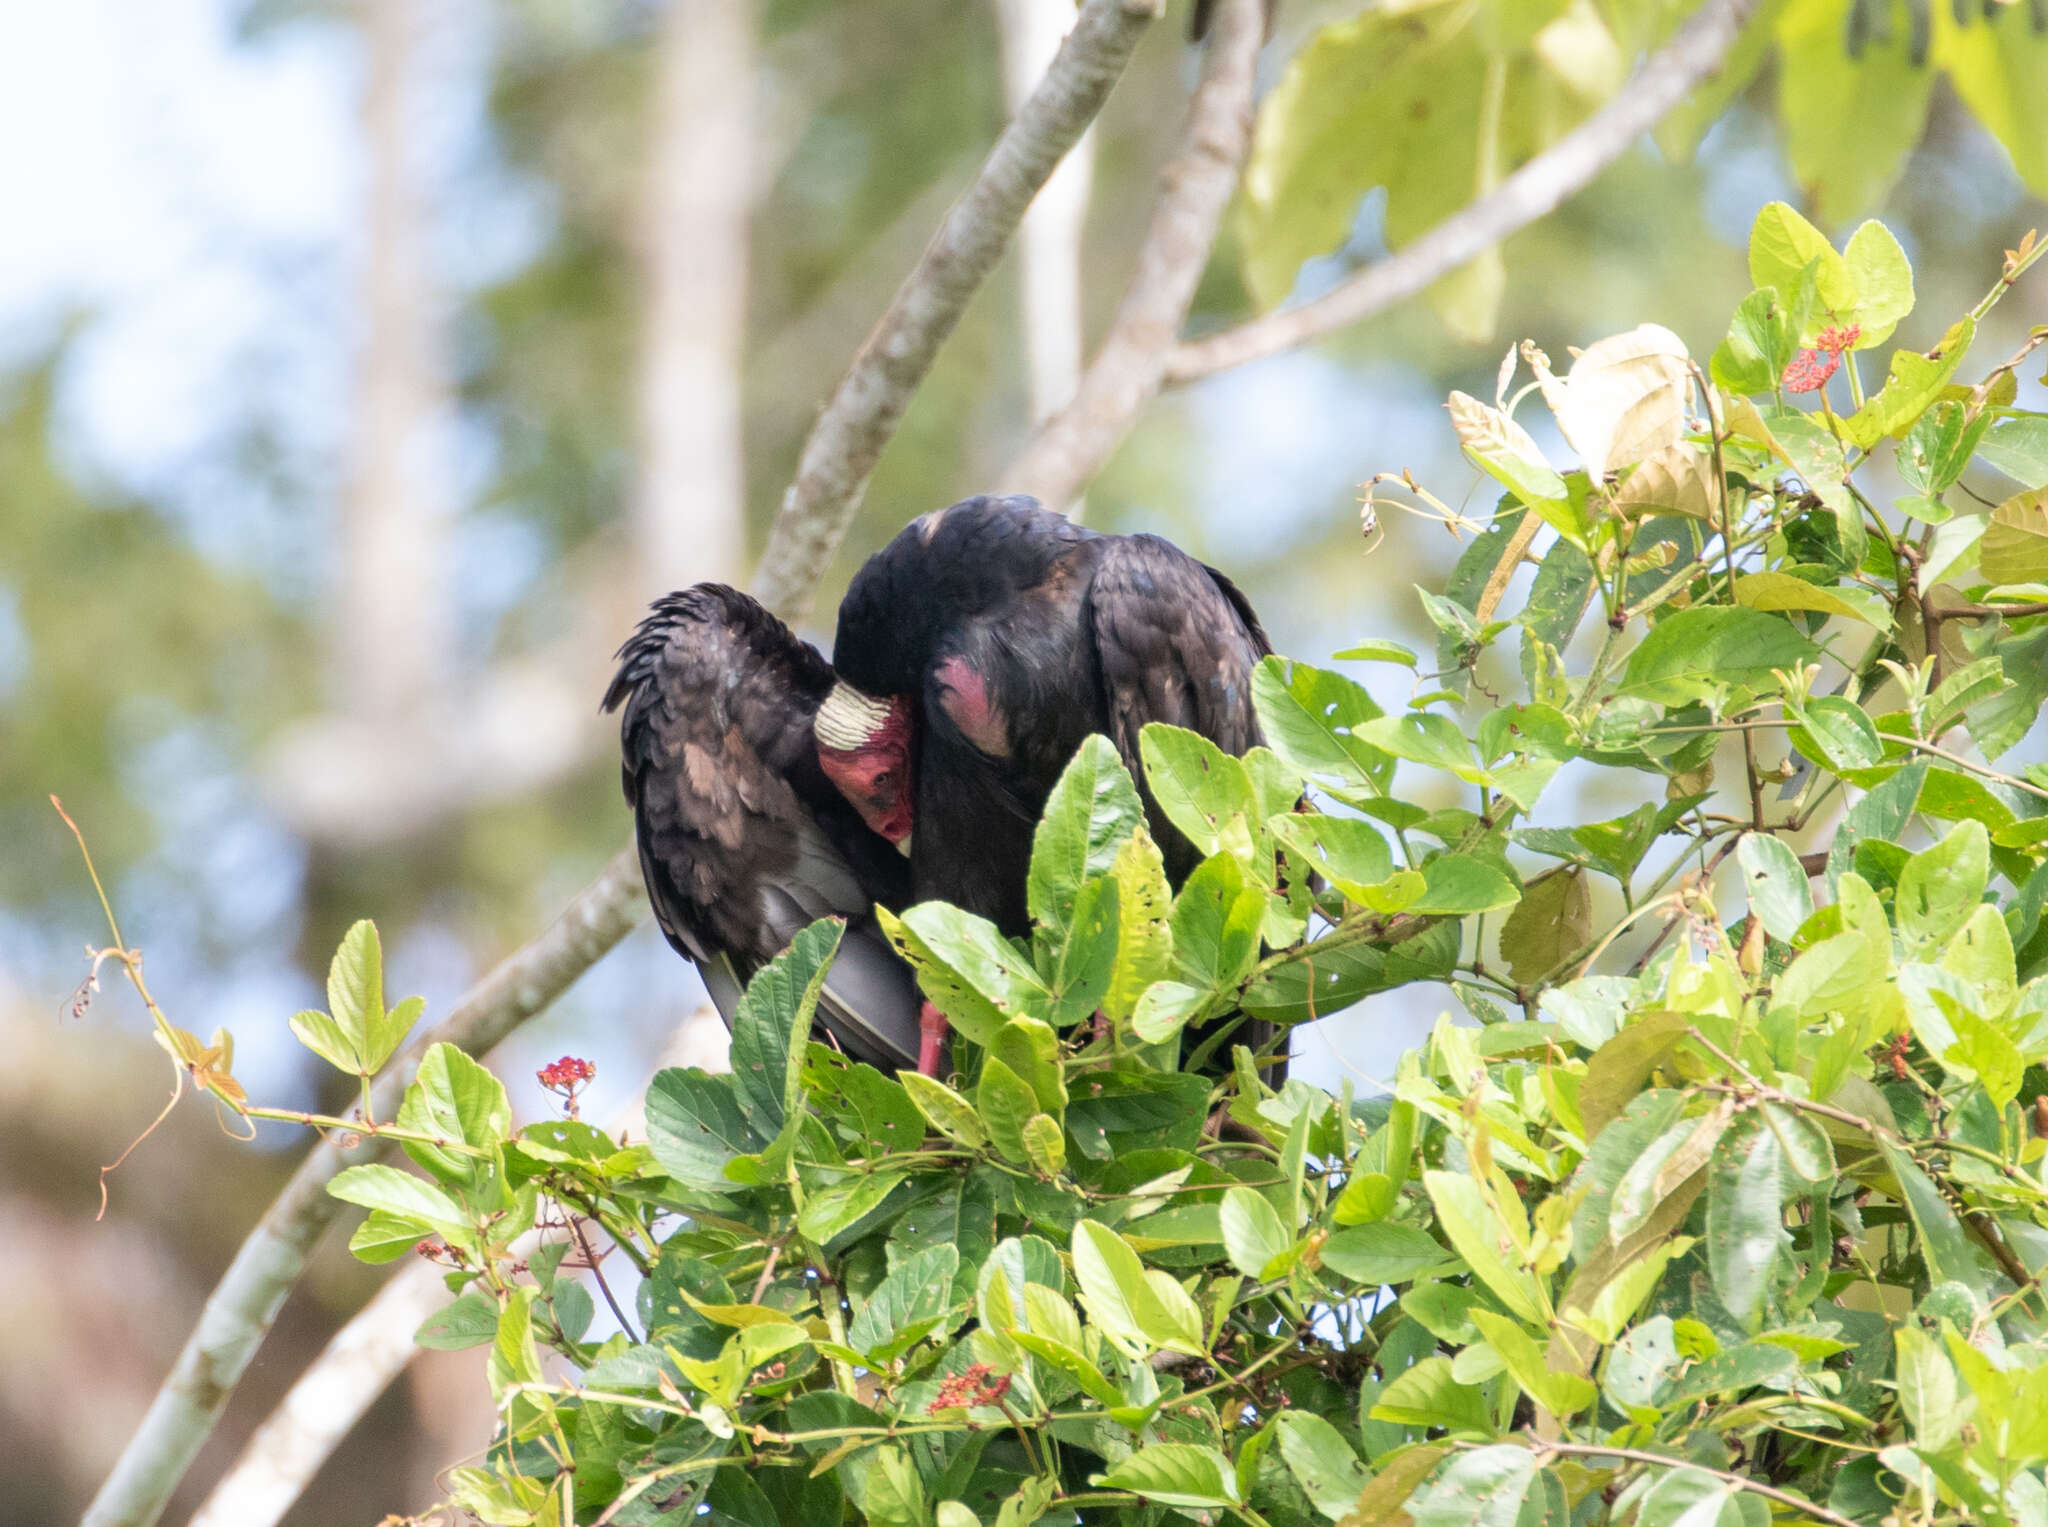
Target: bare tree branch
{"x": 1049, "y": 243}
{"x": 1072, "y": 446}
{"x": 1537, "y": 188}
{"x": 251, "y": 1291}
{"x": 869, "y": 402}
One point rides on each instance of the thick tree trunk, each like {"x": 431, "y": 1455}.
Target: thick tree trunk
{"x": 389, "y": 644}
{"x": 689, "y": 515}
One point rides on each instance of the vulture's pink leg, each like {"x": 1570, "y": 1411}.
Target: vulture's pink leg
{"x": 932, "y": 1030}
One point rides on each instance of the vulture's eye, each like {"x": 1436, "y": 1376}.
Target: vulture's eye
{"x": 885, "y": 779}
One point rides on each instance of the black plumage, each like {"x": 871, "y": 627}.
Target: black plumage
{"x": 1016, "y": 633}
{"x": 743, "y": 841}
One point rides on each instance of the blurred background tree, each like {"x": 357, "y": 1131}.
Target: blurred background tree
{"x": 365, "y": 367}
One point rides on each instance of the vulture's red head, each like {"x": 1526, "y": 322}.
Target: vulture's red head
{"x": 864, "y": 749}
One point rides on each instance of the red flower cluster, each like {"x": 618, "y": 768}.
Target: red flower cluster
{"x": 1810, "y": 369}
{"x": 963, "y": 1391}
{"x": 567, "y": 1075}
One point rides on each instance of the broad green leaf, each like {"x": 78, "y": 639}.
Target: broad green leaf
{"x": 1132, "y": 1310}
{"x": 1914, "y": 383}
{"x": 1379, "y": 650}
{"x": 1745, "y": 1217}
{"x": 2015, "y": 544}
{"x": 1661, "y": 1171}
{"x": 356, "y": 1034}
{"x": 1004, "y": 1100}
{"x": 1485, "y": 1487}
{"x": 1949, "y": 1253}
{"x": 1427, "y": 1395}
{"x": 1144, "y": 941}
{"x": 1782, "y": 244}
{"x": 1045, "y": 1147}
{"x": 1216, "y": 920}
{"x": 968, "y": 969}
{"x": 907, "y": 1305}
{"x": 1086, "y": 965}
{"x": 1425, "y": 738}
{"x": 1849, "y": 123}
{"x": 1782, "y": 591}
{"x": 1310, "y": 717}
{"x": 2018, "y": 447}
{"x": 456, "y": 1100}
{"x": 1838, "y": 735}
{"x": 1458, "y": 884}
{"x": 1689, "y": 1497}
{"x": 827, "y": 1215}
{"x": 1696, "y": 651}
{"x": 468, "y": 1321}
{"x": 695, "y": 1126}
{"x": 1253, "y": 1236}
{"x": 385, "y": 1237}
{"x": 773, "y": 1024}
{"x": 1322, "y": 1462}
{"x": 1385, "y": 1252}
{"x": 1780, "y": 895}
{"x": 1998, "y": 75}
{"x": 1941, "y": 887}
{"x": 1476, "y": 1231}
{"x": 1760, "y": 344}
{"x": 1927, "y": 1388}
{"x": 1553, "y": 920}
{"x": 1198, "y": 785}
{"x": 385, "y": 1188}
{"x": 1350, "y": 854}
{"x": 1562, "y": 1394}
{"x": 1175, "y": 1474}
{"x": 1882, "y": 814}
{"x": 946, "y": 1111}
{"x": 1093, "y": 808}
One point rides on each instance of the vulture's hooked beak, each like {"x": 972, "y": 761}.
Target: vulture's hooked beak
{"x": 903, "y": 844}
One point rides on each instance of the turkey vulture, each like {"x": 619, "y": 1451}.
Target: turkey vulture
{"x": 980, "y": 647}
{"x": 743, "y": 840}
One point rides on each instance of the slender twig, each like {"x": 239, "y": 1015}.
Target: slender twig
{"x": 1537, "y": 188}
{"x": 597, "y": 1272}
{"x": 864, "y": 411}
{"x": 1071, "y": 447}
{"x": 250, "y": 1292}
{"x": 1742, "y": 1482}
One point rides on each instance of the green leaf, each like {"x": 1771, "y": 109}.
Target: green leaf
{"x": 1485, "y": 1487}
{"x": 907, "y": 1305}
{"x": 1476, "y": 1231}
{"x": 695, "y": 1127}
{"x": 469, "y": 1321}
{"x": 1760, "y": 344}
{"x": 1950, "y": 1255}
{"x": 1783, "y": 591}
{"x": 1045, "y": 1147}
{"x": 385, "y": 1237}
{"x": 1348, "y": 851}
{"x": 2018, "y": 447}
{"x": 1928, "y": 1392}
{"x": 1005, "y": 1101}
{"x": 828, "y": 1214}
{"x": 1216, "y": 921}
{"x": 1881, "y": 814}
{"x": 1941, "y": 887}
{"x": 2015, "y": 544}
{"x": 385, "y": 1188}
{"x": 1505, "y": 451}
{"x": 1086, "y": 965}
{"x": 1696, "y": 651}
{"x": 1425, "y": 738}
{"x": 1840, "y": 733}
{"x": 1745, "y": 1217}
{"x": 966, "y": 967}
{"x": 1427, "y": 1395}
{"x": 1849, "y": 122}
{"x": 1385, "y": 1252}
{"x": 1780, "y": 895}
{"x": 1553, "y": 920}
{"x": 1198, "y": 785}
{"x": 1144, "y": 940}
{"x": 356, "y": 1034}
{"x": 1310, "y": 717}
{"x": 1456, "y": 885}
{"x": 773, "y": 1024}
{"x": 1562, "y": 1394}
{"x": 1092, "y": 810}
{"x": 945, "y": 1110}
{"x": 1377, "y": 650}
{"x": 1689, "y": 1497}
{"x": 1175, "y": 1474}
{"x": 1253, "y": 1236}
{"x": 1913, "y": 385}
{"x": 1322, "y": 1462}
{"x": 1135, "y": 1311}
{"x": 1782, "y": 244}
{"x": 460, "y": 1101}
